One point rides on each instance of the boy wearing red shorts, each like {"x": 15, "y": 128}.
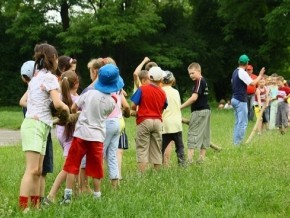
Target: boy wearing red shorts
{"x": 89, "y": 133}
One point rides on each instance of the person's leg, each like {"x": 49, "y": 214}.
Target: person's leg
{"x": 30, "y": 183}
{"x": 95, "y": 165}
{"x": 84, "y": 186}
{"x": 273, "y": 113}
{"x": 155, "y": 153}
{"x": 167, "y": 154}
{"x": 179, "y": 147}
{"x": 59, "y": 180}
{"x": 110, "y": 149}
{"x": 72, "y": 165}
{"x": 47, "y": 165}
{"x": 120, "y": 157}
{"x": 142, "y": 144}
{"x": 166, "y": 148}
{"x": 241, "y": 120}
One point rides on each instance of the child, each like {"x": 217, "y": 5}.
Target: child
{"x": 261, "y": 100}
{"x": 149, "y": 120}
{"x": 65, "y": 63}
{"x": 282, "y": 110}
{"x": 27, "y": 72}
{"x": 90, "y": 129}
{"x": 172, "y": 125}
{"x": 69, "y": 85}
{"x": 42, "y": 89}
{"x": 273, "y": 92}
{"x": 199, "y": 124}
{"x": 137, "y": 81}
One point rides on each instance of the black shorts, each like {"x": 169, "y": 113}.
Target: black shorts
{"x": 48, "y": 158}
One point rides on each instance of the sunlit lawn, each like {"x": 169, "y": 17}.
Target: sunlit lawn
{"x": 250, "y": 181}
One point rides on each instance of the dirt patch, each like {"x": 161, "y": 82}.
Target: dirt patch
{"x": 9, "y": 137}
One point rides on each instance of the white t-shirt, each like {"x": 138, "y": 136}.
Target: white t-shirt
{"x": 38, "y": 99}
{"x": 244, "y": 76}
{"x": 171, "y": 116}
{"x": 96, "y": 106}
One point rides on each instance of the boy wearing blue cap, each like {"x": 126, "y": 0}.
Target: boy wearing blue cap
{"x": 240, "y": 81}
{"x": 90, "y": 129}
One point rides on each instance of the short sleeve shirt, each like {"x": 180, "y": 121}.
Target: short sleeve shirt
{"x": 38, "y": 100}
{"x": 200, "y": 87}
{"x": 171, "y": 116}
{"x": 96, "y": 106}
{"x": 151, "y": 100}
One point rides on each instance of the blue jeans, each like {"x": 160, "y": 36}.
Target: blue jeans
{"x": 241, "y": 120}
{"x": 111, "y": 146}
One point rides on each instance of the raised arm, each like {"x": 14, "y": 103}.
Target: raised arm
{"x": 259, "y": 77}
{"x": 137, "y": 70}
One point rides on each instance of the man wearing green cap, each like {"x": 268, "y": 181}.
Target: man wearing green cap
{"x": 240, "y": 81}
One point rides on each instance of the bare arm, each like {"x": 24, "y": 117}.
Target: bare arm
{"x": 189, "y": 101}
{"x": 58, "y": 104}
{"x": 259, "y": 97}
{"x": 255, "y": 81}
{"x": 137, "y": 70}
{"x": 23, "y": 100}
{"x": 74, "y": 108}
{"x": 125, "y": 107}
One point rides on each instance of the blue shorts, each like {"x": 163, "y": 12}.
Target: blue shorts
{"x": 47, "y": 166}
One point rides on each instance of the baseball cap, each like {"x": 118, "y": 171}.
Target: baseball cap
{"x": 156, "y": 74}
{"x": 109, "y": 80}
{"x": 27, "y": 68}
{"x": 244, "y": 59}
{"x": 168, "y": 78}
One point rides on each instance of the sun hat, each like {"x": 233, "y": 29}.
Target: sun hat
{"x": 27, "y": 68}
{"x": 109, "y": 80}
{"x": 168, "y": 78}
{"x": 156, "y": 74}
{"x": 244, "y": 59}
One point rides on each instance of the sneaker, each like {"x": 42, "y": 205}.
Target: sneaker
{"x": 65, "y": 200}
{"x": 45, "y": 201}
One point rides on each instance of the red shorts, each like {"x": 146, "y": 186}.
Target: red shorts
{"x": 94, "y": 152}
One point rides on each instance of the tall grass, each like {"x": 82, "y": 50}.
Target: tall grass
{"x": 248, "y": 181}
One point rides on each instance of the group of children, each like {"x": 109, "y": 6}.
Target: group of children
{"x": 272, "y": 98}
{"x": 94, "y": 137}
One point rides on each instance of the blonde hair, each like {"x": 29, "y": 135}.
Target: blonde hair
{"x": 194, "y": 66}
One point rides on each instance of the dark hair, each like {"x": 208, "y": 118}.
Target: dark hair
{"x": 64, "y": 64}
{"x": 26, "y": 78}
{"x": 68, "y": 80}
{"x": 45, "y": 56}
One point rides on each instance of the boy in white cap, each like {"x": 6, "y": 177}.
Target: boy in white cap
{"x": 151, "y": 101}
{"x": 90, "y": 129}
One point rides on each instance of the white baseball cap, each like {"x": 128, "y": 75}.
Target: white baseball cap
{"x": 156, "y": 73}
{"x": 27, "y": 68}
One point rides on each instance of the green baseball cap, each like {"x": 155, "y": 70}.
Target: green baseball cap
{"x": 244, "y": 59}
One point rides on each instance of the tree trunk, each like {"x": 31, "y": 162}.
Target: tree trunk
{"x": 64, "y": 15}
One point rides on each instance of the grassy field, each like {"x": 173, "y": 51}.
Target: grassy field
{"x": 248, "y": 181}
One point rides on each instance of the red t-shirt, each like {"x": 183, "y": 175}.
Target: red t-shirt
{"x": 251, "y": 89}
{"x": 151, "y": 101}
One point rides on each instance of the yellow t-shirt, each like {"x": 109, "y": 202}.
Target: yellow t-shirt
{"x": 172, "y": 114}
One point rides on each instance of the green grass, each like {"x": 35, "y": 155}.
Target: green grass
{"x": 11, "y": 117}
{"x": 250, "y": 181}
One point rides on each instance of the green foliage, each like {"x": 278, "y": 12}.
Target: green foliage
{"x": 171, "y": 33}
